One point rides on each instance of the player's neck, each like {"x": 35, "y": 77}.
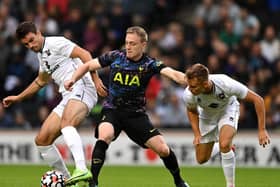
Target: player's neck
{"x": 42, "y": 43}
{"x": 137, "y": 58}
{"x": 209, "y": 87}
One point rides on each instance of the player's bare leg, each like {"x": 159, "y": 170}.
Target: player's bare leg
{"x": 73, "y": 114}
{"x": 203, "y": 152}
{"x": 49, "y": 131}
{"x": 228, "y": 156}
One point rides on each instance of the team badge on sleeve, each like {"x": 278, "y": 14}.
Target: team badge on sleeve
{"x": 158, "y": 63}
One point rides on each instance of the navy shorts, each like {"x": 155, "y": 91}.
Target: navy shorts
{"x": 136, "y": 125}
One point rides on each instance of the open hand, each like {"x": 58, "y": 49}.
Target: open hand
{"x": 264, "y": 138}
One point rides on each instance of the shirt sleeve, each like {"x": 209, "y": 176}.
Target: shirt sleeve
{"x": 108, "y": 58}
{"x": 157, "y": 66}
{"x": 189, "y": 99}
{"x": 62, "y": 46}
{"x": 236, "y": 88}
{"x": 41, "y": 67}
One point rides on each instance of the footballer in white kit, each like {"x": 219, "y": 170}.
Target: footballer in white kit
{"x": 59, "y": 58}
{"x": 213, "y": 111}
{"x": 217, "y": 108}
{"x": 56, "y": 61}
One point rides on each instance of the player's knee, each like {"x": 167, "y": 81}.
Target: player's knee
{"x": 163, "y": 151}
{"x": 39, "y": 141}
{"x": 42, "y": 140}
{"x": 201, "y": 160}
{"x": 66, "y": 120}
{"x": 225, "y": 146}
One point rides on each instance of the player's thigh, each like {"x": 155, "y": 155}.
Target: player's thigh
{"x": 74, "y": 113}
{"x": 139, "y": 128}
{"x": 108, "y": 128}
{"x": 77, "y": 104}
{"x": 49, "y": 131}
{"x": 203, "y": 151}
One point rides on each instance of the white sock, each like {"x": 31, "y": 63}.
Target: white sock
{"x": 52, "y": 156}
{"x": 74, "y": 142}
{"x": 215, "y": 150}
{"x": 228, "y": 164}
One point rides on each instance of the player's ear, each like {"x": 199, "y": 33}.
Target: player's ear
{"x": 144, "y": 44}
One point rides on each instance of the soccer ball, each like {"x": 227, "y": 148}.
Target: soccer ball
{"x": 53, "y": 179}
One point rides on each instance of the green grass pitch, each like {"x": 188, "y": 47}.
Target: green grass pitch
{"x": 140, "y": 176}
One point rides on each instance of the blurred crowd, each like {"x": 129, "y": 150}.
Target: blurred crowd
{"x": 239, "y": 38}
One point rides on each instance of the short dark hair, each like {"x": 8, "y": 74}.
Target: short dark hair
{"x": 24, "y": 28}
{"x": 197, "y": 71}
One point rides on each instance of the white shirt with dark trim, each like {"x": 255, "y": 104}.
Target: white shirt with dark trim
{"x": 56, "y": 61}
{"x": 225, "y": 92}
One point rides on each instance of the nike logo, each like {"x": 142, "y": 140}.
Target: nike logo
{"x": 152, "y": 130}
{"x": 103, "y": 117}
{"x": 72, "y": 180}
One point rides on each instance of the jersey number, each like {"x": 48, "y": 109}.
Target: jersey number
{"x": 47, "y": 65}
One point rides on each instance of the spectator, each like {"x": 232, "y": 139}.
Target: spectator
{"x": 208, "y": 10}
{"x": 21, "y": 122}
{"x": 8, "y": 23}
{"x": 270, "y": 45}
{"x": 92, "y": 37}
{"x": 228, "y": 36}
{"x": 257, "y": 60}
{"x": 244, "y": 21}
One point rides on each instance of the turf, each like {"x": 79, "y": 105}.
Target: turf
{"x": 140, "y": 176}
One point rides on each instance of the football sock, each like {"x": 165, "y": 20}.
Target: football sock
{"x": 215, "y": 150}
{"x": 228, "y": 164}
{"x": 74, "y": 142}
{"x": 98, "y": 157}
{"x": 171, "y": 164}
{"x": 52, "y": 156}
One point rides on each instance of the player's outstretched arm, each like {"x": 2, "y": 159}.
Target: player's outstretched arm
{"x": 34, "y": 87}
{"x": 85, "y": 57}
{"x": 253, "y": 97}
{"x": 91, "y": 65}
{"x": 176, "y": 76}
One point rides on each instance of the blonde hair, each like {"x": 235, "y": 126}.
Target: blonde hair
{"x": 139, "y": 31}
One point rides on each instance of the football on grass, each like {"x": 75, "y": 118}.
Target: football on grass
{"x": 53, "y": 179}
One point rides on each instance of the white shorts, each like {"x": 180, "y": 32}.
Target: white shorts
{"x": 85, "y": 94}
{"x": 210, "y": 128}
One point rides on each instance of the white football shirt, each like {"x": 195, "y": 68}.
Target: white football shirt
{"x": 225, "y": 93}
{"x": 56, "y": 61}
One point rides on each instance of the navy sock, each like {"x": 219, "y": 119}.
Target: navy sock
{"x": 171, "y": 164}
{"x": 98, "y": 157}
